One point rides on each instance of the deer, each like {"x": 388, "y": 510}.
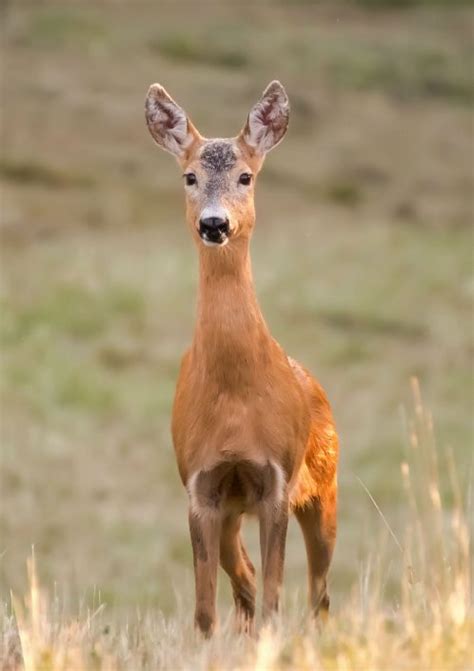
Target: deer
{"x": 253, "y": 431}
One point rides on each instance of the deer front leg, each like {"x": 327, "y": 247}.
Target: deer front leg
{"x": 273, "y": 516}
{"x": 205, "y": 533}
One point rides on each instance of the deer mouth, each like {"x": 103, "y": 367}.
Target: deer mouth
{"x": 211, "y": 243}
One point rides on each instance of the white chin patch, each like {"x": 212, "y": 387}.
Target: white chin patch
{"x": 209, "y": 243}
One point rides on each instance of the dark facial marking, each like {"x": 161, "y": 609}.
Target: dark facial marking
{"x": 218, "y": 156}
{"x": 214, "y": 184}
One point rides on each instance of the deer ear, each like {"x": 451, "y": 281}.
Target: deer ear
{"x": 167, "y": 122}
{"x": 268, "y": 120}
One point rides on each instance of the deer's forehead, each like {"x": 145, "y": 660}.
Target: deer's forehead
{"x": 218, "y": 156}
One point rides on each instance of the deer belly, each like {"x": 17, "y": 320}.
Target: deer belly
{"x": 238, "y": 487}
{"x": 229, "y": 429}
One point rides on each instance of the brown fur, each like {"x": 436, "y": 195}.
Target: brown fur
{"x": 252, "y": 429}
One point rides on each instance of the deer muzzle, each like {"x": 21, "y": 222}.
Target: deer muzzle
{"x": 214, "y": 230}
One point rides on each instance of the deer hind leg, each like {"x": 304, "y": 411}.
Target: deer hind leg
{"x": 273, "y": 517}
{"x": 239, "y": 568}
{"x": 317, "y": 519}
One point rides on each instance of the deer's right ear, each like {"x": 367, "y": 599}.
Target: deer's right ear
{"x": 167, "y": 122}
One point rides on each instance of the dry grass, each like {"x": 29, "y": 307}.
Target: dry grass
{"x": 428, "y": 624}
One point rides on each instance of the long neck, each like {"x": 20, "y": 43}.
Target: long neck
{"x": 231, "y": 336}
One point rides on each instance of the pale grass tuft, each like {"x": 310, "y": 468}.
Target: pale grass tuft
{"x": 427, "y": 624}
{"x": 268, "y": 650}
{"x": 47, "y": 645}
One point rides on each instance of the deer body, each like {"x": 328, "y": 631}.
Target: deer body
{"x": 252, "y": 430}
{"x": 236, "y": 398}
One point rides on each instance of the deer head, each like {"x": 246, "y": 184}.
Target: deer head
{"x": 219, "y": 174}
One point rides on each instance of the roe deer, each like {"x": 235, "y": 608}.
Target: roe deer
{"x": 252, "y": 429}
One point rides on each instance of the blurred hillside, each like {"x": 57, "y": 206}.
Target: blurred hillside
{"x": 362, "y": 258}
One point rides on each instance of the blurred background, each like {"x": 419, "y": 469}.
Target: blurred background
{"x": 362, "y": 258}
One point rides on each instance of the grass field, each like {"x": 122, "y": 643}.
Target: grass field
{"x": 363, "y": 264}
{"x": 426, "y": 624}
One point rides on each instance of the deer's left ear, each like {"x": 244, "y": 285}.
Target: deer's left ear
{"x": 168, "y": 123}
{"x": 268, "y": 120}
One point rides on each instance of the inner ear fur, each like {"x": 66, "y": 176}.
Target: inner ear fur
{"x": 267, "y": 121}
{"x": 169, "y": 124}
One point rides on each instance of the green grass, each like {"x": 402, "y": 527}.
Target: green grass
{"x": 415, "y": 71}
{"x": 186, "y": 48}
{"x": 30, "y": 173}
{"x": 73, "y": 311}
{"x": 406, "y": 4}
{"x": 55, "y": 27}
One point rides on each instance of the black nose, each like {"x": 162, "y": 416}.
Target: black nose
{"x": 214, "y": 229}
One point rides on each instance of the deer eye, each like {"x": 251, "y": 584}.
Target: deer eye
{"x": 190, "y": 179}
{"x": 245, "y": 178}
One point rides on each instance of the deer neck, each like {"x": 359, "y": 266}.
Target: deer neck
{"x": 231, "y": 336}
